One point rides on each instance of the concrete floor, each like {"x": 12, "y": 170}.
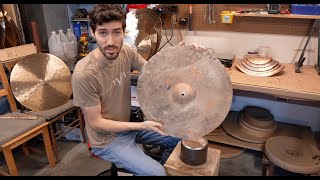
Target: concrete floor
{"x": 75, "y": 161}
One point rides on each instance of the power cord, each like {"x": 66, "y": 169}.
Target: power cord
{"x": 165, "y": 31}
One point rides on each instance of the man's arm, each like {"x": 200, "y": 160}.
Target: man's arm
{"x": 98, "y": 123}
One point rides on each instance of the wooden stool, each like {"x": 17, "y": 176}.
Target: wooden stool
{"x": 175, "y": 167}
{"x": 268, "y": 167}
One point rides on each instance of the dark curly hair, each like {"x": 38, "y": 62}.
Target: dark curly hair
{"x": 104, "y": 13}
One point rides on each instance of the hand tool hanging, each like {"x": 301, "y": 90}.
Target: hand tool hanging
{"x": 209, "y": 14}
{"x": 190, "y": 17}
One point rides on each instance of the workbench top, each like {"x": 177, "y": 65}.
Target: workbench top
{"x": 286, "y": 84}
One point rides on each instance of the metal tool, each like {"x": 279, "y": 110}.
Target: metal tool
{"x": 187, "y": 91}
{"x": 190, "y": 17}
{"x": 27, "y": 117}
{"x": 209, "y": 14}
{"x": 315, "y": 26}
{"x": 41, "y": 82}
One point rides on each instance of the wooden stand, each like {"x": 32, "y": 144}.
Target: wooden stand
{"x": 175, "y": 167}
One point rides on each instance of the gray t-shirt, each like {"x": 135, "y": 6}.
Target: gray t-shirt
{"x": 109, "y": 85}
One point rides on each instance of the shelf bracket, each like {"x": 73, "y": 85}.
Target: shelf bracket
{"x": 315, "y": 26}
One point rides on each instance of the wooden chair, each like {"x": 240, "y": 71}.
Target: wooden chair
{"x": 10, "y": 57}
{"x": 16, "y": 132}
{"x": 56, "y": 115}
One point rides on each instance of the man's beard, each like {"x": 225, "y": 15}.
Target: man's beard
{"x": 109, "y": 56}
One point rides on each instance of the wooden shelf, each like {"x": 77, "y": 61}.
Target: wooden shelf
{"x": 291, "y": 16}
{"x": 286, "y": 84}
{"x": 81, "y": 19}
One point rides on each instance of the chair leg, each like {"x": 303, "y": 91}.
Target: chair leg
{"x": 7, "y": 152}
{"x": 48, "y": 146}
{"x": 54, "y": 142}
{"x": 25, "y": 149}
{"x": 114, "y": 170}
{"x": 81, "y": 123}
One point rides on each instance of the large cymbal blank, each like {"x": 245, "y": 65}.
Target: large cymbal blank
{"x": 188, "y": 91}
{"x": 41, "y": 81}
{"x": 293, "y": 154}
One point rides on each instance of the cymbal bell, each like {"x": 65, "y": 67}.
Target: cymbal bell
{"x": 187, "y": 91}
{"x": 41, "y": 82}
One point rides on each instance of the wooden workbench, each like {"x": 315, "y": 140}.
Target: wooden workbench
{"x": 286, "y": 84}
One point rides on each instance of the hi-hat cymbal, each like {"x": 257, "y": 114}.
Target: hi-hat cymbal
{"x": 188, "y": 91}
{"x": 41, "y": 81}
{"x": 293, "y": 154}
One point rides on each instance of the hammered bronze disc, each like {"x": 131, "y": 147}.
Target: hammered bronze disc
{"x": 143, "y": 31}
{"x": 258, "y": 119}
{"x": 232, "y": 126}
{"x": 272, "y": 63}
{"x": 41, "y": 82}
{"x": 293, "y": 154}
{"x": 257, "y": 68}
{"x": 253, "y": 129}
{"x": 258, "y": 60}
{"x": 188, "y": 91}
{"x": 270, "y": 72}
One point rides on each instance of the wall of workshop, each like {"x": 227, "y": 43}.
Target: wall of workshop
{"x": 49, "y": 17}
{"x": 284, "y": 48}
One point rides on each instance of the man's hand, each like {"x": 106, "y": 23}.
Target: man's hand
{"x": 194, "y": 46}
{"x": 152, "y": 126}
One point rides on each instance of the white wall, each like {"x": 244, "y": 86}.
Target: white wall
{"x": 284, "y": 48}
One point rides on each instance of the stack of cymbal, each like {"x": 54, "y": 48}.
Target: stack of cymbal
{"x": 256, "y": 65}
{"x": 254, "y": 124}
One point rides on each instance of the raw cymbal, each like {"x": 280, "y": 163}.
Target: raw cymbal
{"x": 258, "y": 68}
{"x": 258, "y": 60}
{"x": 293, "y": 154}
{"x": 271, "y": 63}
{"x": 144, "y": 31}
{"x": 41, "y": 81}
{"x": 270, "y": 72}
{"x": 187, "y": 91}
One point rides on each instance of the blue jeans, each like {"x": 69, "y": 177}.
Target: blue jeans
{"x": 125, "y": 152}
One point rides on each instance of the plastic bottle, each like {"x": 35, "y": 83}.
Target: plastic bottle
{"x": 72, "y": 38}
{"x": 55, "y": 46}
{"x": 69, "y": 48}
{"x": 63, "y": 37}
